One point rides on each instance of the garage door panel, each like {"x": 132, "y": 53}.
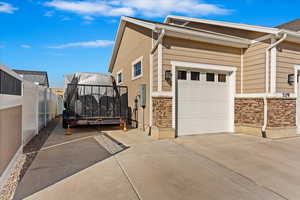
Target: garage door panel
{"x": 197, "y": 111}
{"x": 202, "y": 107}
{"x": 206, "y": 125}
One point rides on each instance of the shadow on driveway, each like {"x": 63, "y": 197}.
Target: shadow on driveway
{"x": 60, "y": 156}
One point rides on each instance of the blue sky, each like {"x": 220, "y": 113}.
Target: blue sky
{"x": 67, "y": 36}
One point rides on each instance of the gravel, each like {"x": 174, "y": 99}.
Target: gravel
{"x": 9, "y": 188}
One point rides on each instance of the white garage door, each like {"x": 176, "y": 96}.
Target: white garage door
{"x": 203, "y": 101}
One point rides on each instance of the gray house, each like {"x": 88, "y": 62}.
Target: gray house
{"x": 40, "y": 77}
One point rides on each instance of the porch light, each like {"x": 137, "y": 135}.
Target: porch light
{"x": 168, "y": 75}
{"x": 291, "y": 79}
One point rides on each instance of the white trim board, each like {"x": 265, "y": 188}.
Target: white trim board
{"x": 296, "y": 71}
{"x": 151, "y": 89}
{"x": 159, "y": 67}
{"x": 232, "y": 82}
{"x": 273, "y": 66}
{"x": 162, "y": 94}
{"x": 225, "y": 24}
{"x": 203, "y": 66}
{"x": 262, "y": 95}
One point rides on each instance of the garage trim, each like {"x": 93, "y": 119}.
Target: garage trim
{"x": 188, "y": 65}
{"x": 296, "y": 73}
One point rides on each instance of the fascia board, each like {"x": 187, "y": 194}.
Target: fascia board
{"x": 120, "y": 35}
{"x": 226, "y": 24}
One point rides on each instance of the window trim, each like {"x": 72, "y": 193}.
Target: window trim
{"x": 140, "y": 59}
{"x": 120, "y": 72}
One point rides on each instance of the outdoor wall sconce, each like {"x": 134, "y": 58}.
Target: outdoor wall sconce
{"x": 168, "y": 75}
{"x": 291, "y": 79}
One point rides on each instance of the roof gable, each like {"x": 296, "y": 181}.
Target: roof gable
{"x": 175, "y": 31}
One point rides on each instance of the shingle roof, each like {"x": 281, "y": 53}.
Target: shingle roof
{"x": 292, "y": 25}
{"x": 40, "y": 77}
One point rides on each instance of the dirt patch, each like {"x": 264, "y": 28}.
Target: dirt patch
{"x": 36, "y": 143}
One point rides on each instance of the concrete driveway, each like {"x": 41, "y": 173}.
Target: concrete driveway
{"x": 272, "y": 164}
{"x": 223, "y": 166}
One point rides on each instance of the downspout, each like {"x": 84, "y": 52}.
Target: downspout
{"x": 160, "y": 37}
{"x": 267, "y": 83}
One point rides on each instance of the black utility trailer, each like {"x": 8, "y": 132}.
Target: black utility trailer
{"x": 87, "y": 104}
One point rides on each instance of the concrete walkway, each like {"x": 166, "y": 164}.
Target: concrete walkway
{"x": 60, "y": 157}
{"x": 172, "y": 169}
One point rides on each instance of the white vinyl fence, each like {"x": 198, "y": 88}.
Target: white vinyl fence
{"x": 25, "y": 108}
{"x": 40, "y": 106}
{"x": 29, "y": 110}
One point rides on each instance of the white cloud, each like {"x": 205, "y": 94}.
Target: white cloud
{"x": 25, "y": 46}
{"x": 156, "y": 8}
{"x": 89, "y": 44}
{"x": 7, "y": 8}
{"x": 149, "y": 8}
{"x": 96, "y": 8}
{"x": 49, "y": 14}
{"x": 88, "y": 18}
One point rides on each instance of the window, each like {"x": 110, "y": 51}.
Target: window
{"x": 222, "y": 78}
{"x": 10, "y": 85}
{"x": 195, "y": 76}
{"x": 137, "y": 70}
{"x": 119, "y": 77}
{"x": 181, "y": 75}
{"x": 210, "y": 77}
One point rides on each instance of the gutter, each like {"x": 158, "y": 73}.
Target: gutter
{"x": 263, "y": 130}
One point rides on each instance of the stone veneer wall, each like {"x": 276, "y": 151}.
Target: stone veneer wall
{"x": 162, "y": 112}
{"x": 281, "y": 112}
{"x": 249, "y": 112}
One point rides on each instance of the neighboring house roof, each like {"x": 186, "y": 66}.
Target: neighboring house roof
{"x": 292, "y": 25}
{"x": 40, "y": 77}
{"x": 9, "y": 71}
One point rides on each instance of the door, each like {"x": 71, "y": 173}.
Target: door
{"x": 203, "y": 102}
